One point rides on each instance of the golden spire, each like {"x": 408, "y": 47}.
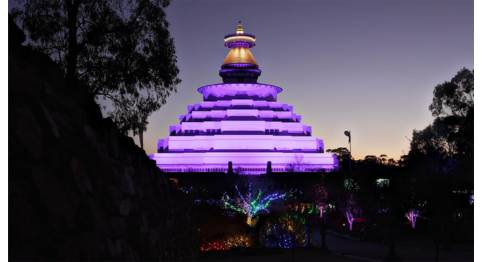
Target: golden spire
{"x": 239, "y": 45}
{"x": 239, "y": 28}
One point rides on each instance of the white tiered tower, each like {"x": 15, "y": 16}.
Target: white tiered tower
{"x": 241, "y": 126}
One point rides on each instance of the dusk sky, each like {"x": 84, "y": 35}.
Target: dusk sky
{"x": 368, "y": 66}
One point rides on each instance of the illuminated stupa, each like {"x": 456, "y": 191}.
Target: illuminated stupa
{"x": 240, "y": 126}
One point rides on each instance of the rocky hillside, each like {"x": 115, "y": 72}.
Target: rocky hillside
{"x": 78, "y": 189}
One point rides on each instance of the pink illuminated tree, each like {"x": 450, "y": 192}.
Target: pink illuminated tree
{"x": 412, "y": 216}
{"x": 320, "y": 195}
{"x": 321, "y": 198}
{"x": 321, "y": 209}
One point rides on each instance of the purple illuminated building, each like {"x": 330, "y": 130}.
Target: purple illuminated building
{"x": 241, "y": 126}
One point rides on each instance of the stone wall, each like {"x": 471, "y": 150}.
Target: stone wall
{"x": 78, "y": 189}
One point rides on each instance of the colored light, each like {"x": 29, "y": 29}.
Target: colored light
{"x": 287, "y": 231}
{"x": 349, "y": 219}
{"x": 412, "y": 216}
{"x": 251, "y": 204}
{"x": 237, "y": 240}
{"x": 239, "y": 38}
{"x": 382, "y": 182}
{"x": 240, "y": 122}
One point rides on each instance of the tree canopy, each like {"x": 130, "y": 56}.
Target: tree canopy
{"x": 447, "y": 145}
{"x": 120, "y": 50}
{"x": 455, "y": 97}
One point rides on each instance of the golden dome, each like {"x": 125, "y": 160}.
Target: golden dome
{"x": 239, "y": 55}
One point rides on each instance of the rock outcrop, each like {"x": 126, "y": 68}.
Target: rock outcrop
{"x": 78, "y": 189}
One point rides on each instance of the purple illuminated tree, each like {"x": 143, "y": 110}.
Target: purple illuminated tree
{"x": 412, "y": 216}
{"x": 351, "y": 207}
{"x": 251, "y": 203}
{"x": 351, "y": 210}
{"x": 349, "y": 219}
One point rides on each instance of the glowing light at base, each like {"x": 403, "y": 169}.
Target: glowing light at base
{"x": 412, "y": 216}
{"x": 251, "y": 203}
{"x": 234, "y": 241}
{"x": 240, "y": 127}
{"x": 287, "y": 231}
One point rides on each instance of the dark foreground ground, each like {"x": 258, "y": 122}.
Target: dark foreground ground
{"x": 344, "y": 248}
{"x": 276, "y": 255}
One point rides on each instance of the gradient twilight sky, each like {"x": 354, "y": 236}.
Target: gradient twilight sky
{"x": 369, "y": 66}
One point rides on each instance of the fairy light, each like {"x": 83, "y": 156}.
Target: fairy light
{"x": 251, "y": 204}
{"x": 287, "y": 231}
{"x": 238, "y": 240}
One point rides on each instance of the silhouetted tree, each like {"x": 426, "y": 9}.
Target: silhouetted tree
{"x": 120, "y": 50}
{"x": 391, "y": 162}
{"x": 454, "y": 98}
{"x": 444, "y": 151}
{"x": 371, "y": 159}
{"x": 383, "y": 159}
{"x": 446, "y": 146}
{"x": 343, "y": 155}
{"x": 132, "y": 114}
{"x": 394, "y": 215}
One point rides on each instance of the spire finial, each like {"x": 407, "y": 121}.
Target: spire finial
{"x": 239, "y": 28}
